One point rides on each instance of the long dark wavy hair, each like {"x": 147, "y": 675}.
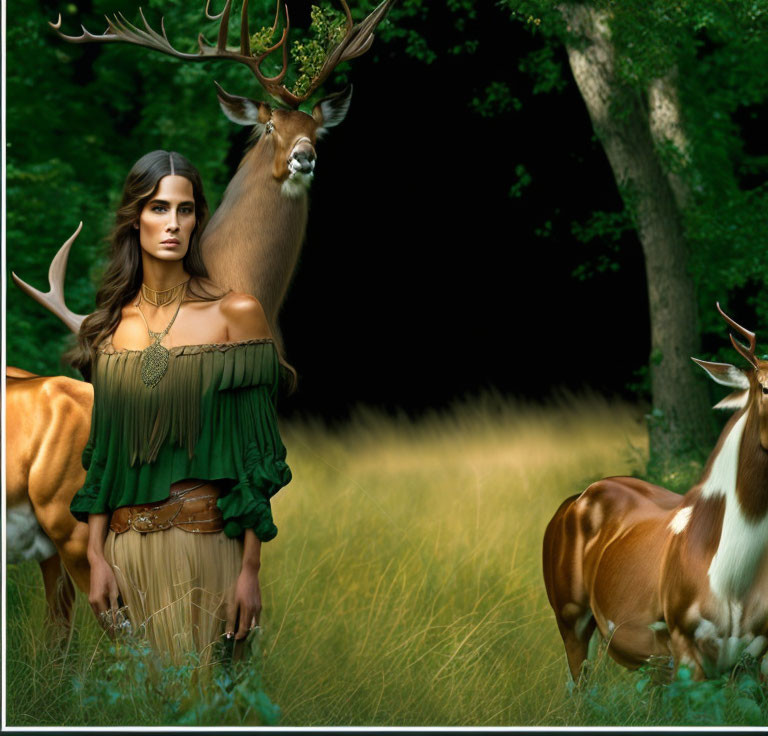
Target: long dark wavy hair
{"x": 124, "y": 273}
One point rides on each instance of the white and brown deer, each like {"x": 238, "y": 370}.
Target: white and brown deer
{"x": 253, "y": 241}
{"x": 668, "y": 575}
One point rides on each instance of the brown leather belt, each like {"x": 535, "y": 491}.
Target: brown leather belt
{"x": 189, "y": 507}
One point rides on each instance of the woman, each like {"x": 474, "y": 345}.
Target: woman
{"x": 184, "y": 452}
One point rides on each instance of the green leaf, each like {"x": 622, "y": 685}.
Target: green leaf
{"x": 750, "y": 711}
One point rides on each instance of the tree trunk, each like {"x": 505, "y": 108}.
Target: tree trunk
{"x": 680, "y": 421}
{"x": 664, "y": 121}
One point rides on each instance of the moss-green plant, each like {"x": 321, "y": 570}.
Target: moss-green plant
{"x": 326, "y": 30}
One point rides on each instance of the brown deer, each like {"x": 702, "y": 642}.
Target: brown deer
{"x": 48, "y": 421}
{"x": 252, "y": 242}
{"x": 660, "y": 574}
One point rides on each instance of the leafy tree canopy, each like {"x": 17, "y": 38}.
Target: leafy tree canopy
{"x": 715, "y": 54}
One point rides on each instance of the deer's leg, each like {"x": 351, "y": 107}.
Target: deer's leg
{"x": 59, "y": 594}
{"x": 71, "y": 540}
{"x": 693, "y": 654}
{"x": 576, "y": 628}
{"x": 74, "y": 556}
{"x": 564, "y": 580}
{"x": 53, "y": 481}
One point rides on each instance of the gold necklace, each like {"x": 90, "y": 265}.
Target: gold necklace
{"x": 154, "y": 357}
{"x": 165, "y": 296}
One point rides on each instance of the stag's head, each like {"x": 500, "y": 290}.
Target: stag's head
{"x": 751, "y": 384}
{"x": 293, "y": 132}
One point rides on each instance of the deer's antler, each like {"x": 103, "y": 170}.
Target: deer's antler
{"x": 746, "y": 351}
{"x": 356, "y": 41}
{"x": 53, "y": 299}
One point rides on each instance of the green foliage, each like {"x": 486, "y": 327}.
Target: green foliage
{"x": 497, "y": 98}
{"x": 640, "y": 383}
{"x": 263, "y": 39}
{"x": 236, "y": 697}
{"x": 404, "y": 14}
{"x": 92, "y": 681}
{"x": 545, "y": 70}
{"x": 608, "y": 228}
{"x": 545, "y": 230}
{"x": 465, "y": 7}
{"x": 542, "y": 18}
{"x": 419, "y": 48}
{"x": 469, "y": 46}
{"x": 524, "y": 180}
{"x": 326, "y": 30}
{"x": 611, "y": 226}
{"x": 737, "y": 699}
{"x": 651, "y": 696}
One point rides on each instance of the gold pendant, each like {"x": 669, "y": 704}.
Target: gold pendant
{"x": 154, "y": 364}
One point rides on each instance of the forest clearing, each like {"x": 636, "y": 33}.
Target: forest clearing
{"x": 404, "y": 589}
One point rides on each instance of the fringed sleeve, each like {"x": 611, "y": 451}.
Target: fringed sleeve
{"x": 92, "y": 498}
{"x": 247, "y": 393}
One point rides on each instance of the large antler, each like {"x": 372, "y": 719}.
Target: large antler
{"x": 53, "y": 299}
{"x": 747, "y": 352}
{"x": 356, "y": 41}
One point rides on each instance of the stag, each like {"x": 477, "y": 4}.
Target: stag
{"x": 664, "y": 575}
{"x": 252, "y": 242}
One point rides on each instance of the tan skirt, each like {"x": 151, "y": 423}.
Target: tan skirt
{"x": 177, "y": 587}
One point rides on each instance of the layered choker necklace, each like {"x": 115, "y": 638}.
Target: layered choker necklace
{"x": 154, "y": 358}
{"x": 160, "y": 298}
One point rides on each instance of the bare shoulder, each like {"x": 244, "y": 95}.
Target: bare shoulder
{"x": 236, "y": 304}
{"x": 244, "y": 316}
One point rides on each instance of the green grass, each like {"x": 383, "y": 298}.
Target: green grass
{"x": 404, "y": 589}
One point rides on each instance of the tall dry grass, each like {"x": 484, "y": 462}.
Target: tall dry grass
{"x": 405, "y": 585}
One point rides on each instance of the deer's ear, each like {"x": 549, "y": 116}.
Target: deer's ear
{"x": 330, "y": 111}
{"x": 725, "y": 374}
{"x": 242, "y": 110}
{"x": 736, "y": 400}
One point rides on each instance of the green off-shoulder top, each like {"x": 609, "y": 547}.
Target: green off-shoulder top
{"x": 212, "y": 416}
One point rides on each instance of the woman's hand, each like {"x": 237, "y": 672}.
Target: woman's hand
{"x": 246, "y": 606}
{"x": 103, "y": 592}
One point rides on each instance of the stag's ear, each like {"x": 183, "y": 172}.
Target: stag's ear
{"x": 736, "y": 400}
{"x": 242, "y": 110}
{"x": 724, "y": 373}
{"x": 330, "y": 111}
{"x": 727, "y": 375}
